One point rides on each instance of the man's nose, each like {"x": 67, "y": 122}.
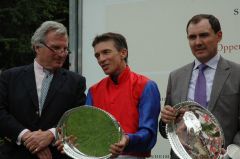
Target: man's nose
{"x": 101, "y": 58}
{"x": 198, "y": 41}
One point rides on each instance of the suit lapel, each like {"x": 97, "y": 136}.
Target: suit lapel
{"x": 30, "y": 84}
{"x": 222, "y": 73}
{"x": 186, "y": 77}
{"x": 57, "y": 82}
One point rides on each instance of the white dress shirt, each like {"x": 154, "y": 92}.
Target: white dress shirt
{"x": 209, "y": 73}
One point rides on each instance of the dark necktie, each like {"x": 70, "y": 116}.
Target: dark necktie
{"x": 45, "y": 86}
{"x": 200, "y": 95}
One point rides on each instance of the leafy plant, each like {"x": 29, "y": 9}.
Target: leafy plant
{"x": 20, "y": 18}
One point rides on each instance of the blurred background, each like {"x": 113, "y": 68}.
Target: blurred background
{"x": 18, "y": 20}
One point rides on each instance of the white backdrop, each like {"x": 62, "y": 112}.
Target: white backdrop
{"x": 156, "y": 36}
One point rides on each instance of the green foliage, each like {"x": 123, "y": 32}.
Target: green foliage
{"x": 19, "y": 19}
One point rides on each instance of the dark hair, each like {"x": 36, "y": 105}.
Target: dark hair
{"x": 214, "y": 22}
{"x": 118, "y": 39}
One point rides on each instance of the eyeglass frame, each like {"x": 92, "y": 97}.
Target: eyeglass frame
{"x": 65, "y": 51}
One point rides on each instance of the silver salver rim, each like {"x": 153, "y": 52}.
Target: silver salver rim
{"x": 173, "y": 139}
{"x": 71, "y": 151}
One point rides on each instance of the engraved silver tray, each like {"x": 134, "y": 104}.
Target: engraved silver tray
{"x": 196, "y": 133}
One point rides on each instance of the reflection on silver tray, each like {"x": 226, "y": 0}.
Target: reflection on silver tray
{"x": 88, "y": 132}
{"x": 196, "y": 134}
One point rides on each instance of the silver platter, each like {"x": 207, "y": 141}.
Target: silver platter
{"x": 196, "y": 133}
{"x": 87, "y": 132}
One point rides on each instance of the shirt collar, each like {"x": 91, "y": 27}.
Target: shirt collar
{"x": 38, "y": 67}
{"x": 122, "y": 76}
{"x": 212, "y": 63}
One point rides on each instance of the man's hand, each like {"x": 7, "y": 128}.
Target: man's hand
{"x": 59, "y": 145}
{"x": 37, "y": 140}
{"x": 25, "y": 136}
{"x": 44, "y": 154}
{"x": 59, "y": 142}
{"x": 168, "y": 114}
{"x": 70, "y": 139}
{"x": 223, "y": 151}
{"x": 117, "y": 148}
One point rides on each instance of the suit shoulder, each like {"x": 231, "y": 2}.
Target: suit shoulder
{"x": 181, "y": 69}
{"x": 72, "y": 74}
{"x": 225, "y": 64}
{"x": 233, "y": 64}
{"x": 14, "y": 71}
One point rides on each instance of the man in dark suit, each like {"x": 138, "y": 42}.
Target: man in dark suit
{"x": 222, "y": 79}
{"x": 28, "y": 118}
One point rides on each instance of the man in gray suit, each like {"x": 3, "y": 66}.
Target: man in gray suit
{"x": 222, "y": 79}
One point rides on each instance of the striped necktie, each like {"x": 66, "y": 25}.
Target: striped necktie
{"x": 45, "y": 86}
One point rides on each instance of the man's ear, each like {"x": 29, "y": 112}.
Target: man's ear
{"x": 123, "y": 53}
{"x": 36, "y": 48}
{"x": 219, "y": 35}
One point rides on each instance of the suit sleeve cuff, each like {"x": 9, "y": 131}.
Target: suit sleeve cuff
{"x": 53, "y": 131}
{"x": 19, "y": 139}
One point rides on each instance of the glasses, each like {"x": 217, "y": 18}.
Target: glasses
{"x": 57, "y": 50}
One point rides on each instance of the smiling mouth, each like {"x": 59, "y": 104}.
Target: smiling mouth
{"x": 104, "y": 67}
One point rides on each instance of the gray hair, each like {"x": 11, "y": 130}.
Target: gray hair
{"x": 47, "y": 26}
